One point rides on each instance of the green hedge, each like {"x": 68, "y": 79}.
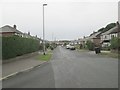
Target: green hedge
{"x": 15, "y": 46}
{"x": 115, "y": 43}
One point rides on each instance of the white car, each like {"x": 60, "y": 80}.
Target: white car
{"x": 67, "y": 46}
{"x": 72, "y": 47}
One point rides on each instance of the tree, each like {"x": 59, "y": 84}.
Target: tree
{"x": 100, "y": 30}
{"x": 65, "y": 44}
{"x": 108, "y": 27}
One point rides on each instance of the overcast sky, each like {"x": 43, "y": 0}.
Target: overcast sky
{"x": 63, "y": 20}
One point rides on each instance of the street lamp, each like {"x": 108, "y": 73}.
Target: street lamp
{"x": 43, "y": 31}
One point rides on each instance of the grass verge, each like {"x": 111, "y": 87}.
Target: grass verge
{"x": 82, "y": 50}
{"x": 109, "y": 54}
{"x": 45, "y": 57}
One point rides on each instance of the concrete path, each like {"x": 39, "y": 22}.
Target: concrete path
{"x": 20, "y": 64}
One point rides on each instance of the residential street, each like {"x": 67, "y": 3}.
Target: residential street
{"x": 69, "y": 69}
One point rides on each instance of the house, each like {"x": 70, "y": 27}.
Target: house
{"x": 108, "y": 35}
{"x": 9, "y": 31}
{"x": 95, "y": 38}
{"x": 75, "y": 42}
{"x": 27, "y": 35}
{"x": 63, "y": 42}
{"x": 83, "y": 41}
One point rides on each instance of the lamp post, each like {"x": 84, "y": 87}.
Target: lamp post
{"x": 43, "y": 31}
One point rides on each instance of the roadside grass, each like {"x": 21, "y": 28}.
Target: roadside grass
{"x": 45, "y": 57}
{"x": 82, "y": 50}
{"x": 110, "y": 54}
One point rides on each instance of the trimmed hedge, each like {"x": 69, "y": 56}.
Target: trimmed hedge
{"x": 15, "y": 46}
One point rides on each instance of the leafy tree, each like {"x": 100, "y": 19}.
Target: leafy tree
{"x": 65, "y": 44}
{"x": 108, "y": 27}
{"x": 100, "y": 30}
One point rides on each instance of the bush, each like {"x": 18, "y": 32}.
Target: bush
{"x": 51, "y": 47}
{"x": 90, "y": 45}
{"x": 41, "y": 47}
{"x": 15, "y": 46}
{"x": 47, "y": 45}
{"x": 115, "y": 43}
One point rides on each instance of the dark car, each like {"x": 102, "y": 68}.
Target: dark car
{"x": 97, "y": 50}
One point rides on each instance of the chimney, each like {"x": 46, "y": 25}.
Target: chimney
{"x": 14, "y": 26}
{"x": 93, "y": 32}
{"x": 117, "y": 23}
{"x": 28, "y": 33}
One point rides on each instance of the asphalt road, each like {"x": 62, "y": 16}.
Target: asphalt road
{"x": 69, "y": 69}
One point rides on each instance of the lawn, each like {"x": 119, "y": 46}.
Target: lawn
{"x": 109, "y": 54}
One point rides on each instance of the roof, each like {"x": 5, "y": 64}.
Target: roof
{"x": 112, "y": 30}
{"x": 74, "y": 41}
{"x": 8, "y": 28}
{"x": 84, "y": 39}
{"x": 116, "y": 30}
{"x": 95, "y": 35}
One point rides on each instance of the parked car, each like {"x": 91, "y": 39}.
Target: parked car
{"x": 72, "y": 47}
{"x": 67, "y": 46}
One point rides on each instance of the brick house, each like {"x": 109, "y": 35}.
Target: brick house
{"x": 9, "y": 31}
{"x": 95, "y": 38}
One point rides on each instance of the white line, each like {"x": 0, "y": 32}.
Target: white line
{"x": 8, "y": 76}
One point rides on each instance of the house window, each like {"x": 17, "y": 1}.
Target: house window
{"x": 112, "y": 36}
{"x": 105, "y": 37}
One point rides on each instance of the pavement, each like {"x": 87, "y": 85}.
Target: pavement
{"x": 19, "y": 64}
{"x": 69, "y": 69}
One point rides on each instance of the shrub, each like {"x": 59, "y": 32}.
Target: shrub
{"x": 51, "y": 47}
{"x": 90, "y": 45}
{"x": 47, "y": 45}
{"x": 115, "y": 43}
